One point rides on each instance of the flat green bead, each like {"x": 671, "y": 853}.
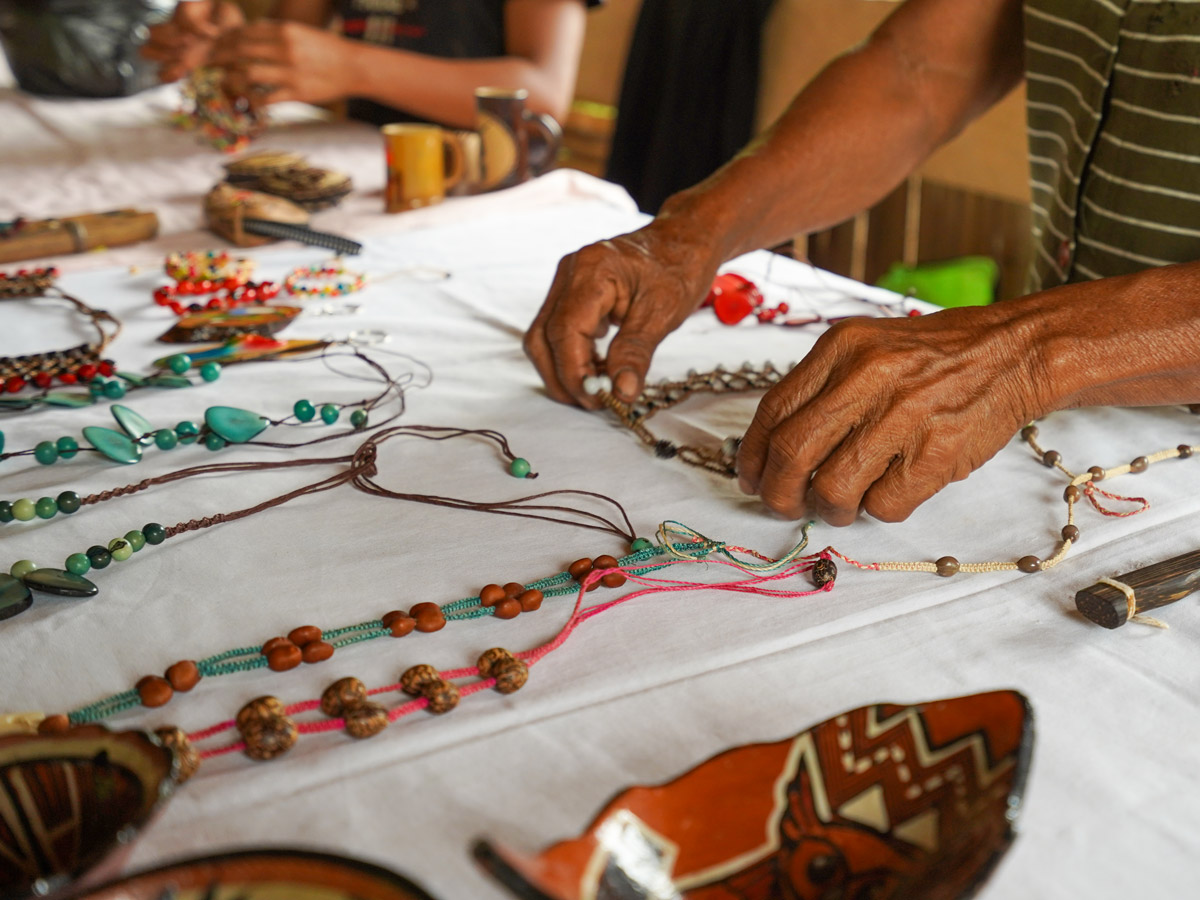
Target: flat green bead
{"x": 165, "y": 439}
{"x": 78, "y": 564}
{"x": 120, "y": 549}
{"x": 6, "y": 511}
{"x": 46, "y": 452}
{"x": 46, "y": 508}
{"x": 154, "y": 533}
{"x": 329, "y": 413}
{"x": 136, "y": 540}
{"x": 1, "y": 441}
{"x": 114, "y": 390}
{"x": 14, "y": 597}
{"x": 21, "y": 403}
{"x": 60, "y": 583}
{"x": 210, "y": 371}
{"x": 235, "y": 425}
{"x": 98, "y": 556}
{"x": 133, "y": 378}
{"x": 519, "y": 467}
{"x": 24, "y": 509}
{"x": 116, "y": 446}
{"x": 168, "y": 381}
{"x": 187, "y": 432}
{"x": 358, "y": 418}
{"x": 214, "y": 442}
{"x": 68, "y": 502}
{"x": 71, "y": 400}
{"x": 179, "y": 363}
{"x": 67, "y": 447}
{"x": 302, "y": 410}
{"x": 132, "y": 423}
{"x": 22, "y": 567}
{"x": 640, "y": 544}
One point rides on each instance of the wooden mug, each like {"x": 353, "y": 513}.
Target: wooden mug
{"x": 423, "y": 163}
{"x": 517, "y": 144}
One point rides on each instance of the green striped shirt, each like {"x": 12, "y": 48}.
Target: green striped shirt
{"x": 1114, "y": 136}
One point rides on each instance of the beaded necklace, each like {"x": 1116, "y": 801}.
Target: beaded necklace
{"x": 228, "y": 124}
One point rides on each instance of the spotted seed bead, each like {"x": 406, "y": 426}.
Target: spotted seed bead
{"x": 511, "y": 675}
{"x": 342, "y": 695}
{"x": 268, "y": 737}
{"x": 365, "y": 720}
{"x": 1029, "y": 564}
{"x": 186, "y": 758}
{"x": 442, "y": 695}
{"x": 416, "y": 677}
{"x": 824, "y": 571}
{"x": 947, "y": 566}
{"x": 257, "y": 709}
{"x": 489, "y": 659}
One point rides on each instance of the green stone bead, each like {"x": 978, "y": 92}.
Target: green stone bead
{"x": 519, "y": 467}
{"x": 358, "y": 418}
{"x": 329, "y": 413}
{"x": 165, "y": 439}
{"x": 68, "y": 502}
{"x": 67, "y": 447}
{"x": 179, "y": 363}
{"x": 22, "y": 567}
{"x": 24, "y": 509}
{"x": 79, "y": 564}
{"x": 214, "y": 441}
{"x": 6, "y": 511}
{"x": 114, "y": 390}
{"x": 303, "y": 410}
{"x": 98, "y": 556}
{"x": 187, "y": 432}
{"x": 120, "y": 549}
{"x": 640, "y": 544}
{"x": 235, "y": 425}
{"x": 46, "y": 453}
{"x": 210, "y": 371}
{"x": 46, "y": 508}
{"x": 154, "y": 533}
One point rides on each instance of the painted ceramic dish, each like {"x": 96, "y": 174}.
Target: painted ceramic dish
{"x": 69, "y": 802}
{"x": 262, "y": 875}
{"x": 883, "y": 802}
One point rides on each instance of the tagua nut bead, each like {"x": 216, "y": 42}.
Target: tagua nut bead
{"x": 154, "y": 691}
{"x": 947, "y": 566}
{"x": 269, "y": 737}
{"x": 341, "y": 695}
{"x": 1051, "y": 458}
{"x": 120, "y": 549}
{"x": 285, "y": 657}
{"x": 511, "y": 675}
{"x": 491, "y": 594}
{"x": 519, "y": 468}
{"x": 316, "y": 652}
{"x": 429, "y": 617}
{"x": 530, "y": 600}
{"x": 1141, "y": 464}
{"x": 1097, "y": 473}
{"x": 186, "y": 757}
{"x": 489, "y": 659}
{"x": 258, "y": 709}
{"x": 442, "y": 695}
{"x": 365, "y": 720}
{"x": 1029, "y": 564}
{"x": 46, "y": 508}
{"x": 580, "y": 568}
{"x": 305, "y": 634}
{"x": 1070, "y": 533}
{"x": 1072, "y": 493}
{"x": 508, "y": 608}
{"x": 823, "y": 572}
{"x": 22, "y": 567}
{"x": 55, "y": 724}
{"x": 154, "y": 533}
{"x": 183, "y": 675}
{"x": 416, "y": 677}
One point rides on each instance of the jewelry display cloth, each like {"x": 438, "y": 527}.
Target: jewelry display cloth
{"x": 643, "y": 692}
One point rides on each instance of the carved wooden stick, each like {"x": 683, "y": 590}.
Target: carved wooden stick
{"x": 1154, "y": 586}
{"x": 75, "y": 234}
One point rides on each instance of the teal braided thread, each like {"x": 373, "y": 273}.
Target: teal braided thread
{"x": 228, "y": 662}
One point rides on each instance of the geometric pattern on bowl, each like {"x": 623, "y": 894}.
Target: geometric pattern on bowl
{"x": 882, "y": 802}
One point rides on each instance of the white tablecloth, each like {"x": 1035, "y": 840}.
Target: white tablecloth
{"x": 642, "y": 693}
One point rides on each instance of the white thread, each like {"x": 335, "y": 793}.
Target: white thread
{"x": 1131, "y": 601}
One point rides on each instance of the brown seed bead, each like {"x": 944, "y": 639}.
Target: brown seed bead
{"x": 258, "y": 708}
{"x": 489, "y": 659}
{"x": 579, "y": 568}
{"x": 1070, "y": 533}
{"x": 1051, "y": 458}
{"x": 343, "y": 693}
{"x": 1097, "y": 473}
{"x": 365, "y": 720}
{"x": 1029, "y": 564}
{"x": 305, "y": 634}
{"x": 186, "y": 757}
{"x": 605, "y": 562}
{"x": 402, "y": 626}
{"x": 491, "y": 595}
{"x": 613, "y": 579}
{"x": 947, "y": 566}
{"x": 510, "y": 675}
{"x": 530, "y": 600}
{"x": 1029, "y": 432}
{"x": 1141, "y": 464}
{"x": 184, "y": 675}
{"x": 429, "y": 617}
{"x": 508, "y": 608}
{"x": 514, "y": 589}
{"x": 416, "y": 677}
{"x": 1184, "y": 451}
{"x": 284, "y": 657}
{"x": 270, "y": 737}
{"x": 823, "y": 572}
{"x": 442, "y": 695}
{"x": 1072, "y": 493}
{"x": 154, "y": 691}
{"x": 317, "y": 651}
{"x": 274, "y": 643}
{"x": 55, "y": 724}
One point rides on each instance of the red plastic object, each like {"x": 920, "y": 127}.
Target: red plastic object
{"x": 733, "y": 297}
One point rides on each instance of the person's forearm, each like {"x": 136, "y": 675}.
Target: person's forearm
{"x": 310, "y": 12}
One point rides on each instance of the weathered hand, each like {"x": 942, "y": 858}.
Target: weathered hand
{"x": 185, "y": 42}
{"x": 272, "y": 61}
{"x": 884, "y": 413}
{"x": 646, "y": 283}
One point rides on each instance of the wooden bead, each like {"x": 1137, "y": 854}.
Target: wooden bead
{"x": 342, "y": 694}
{"x": 402, "y": 626}
{"x": 1072, "y": 493}
{"x": 605, "y": 562}
{"x": 489, "y": 658}
{"x": 55, "y": 724}
{"x": 508, "y": 608}
{"x": 187, "y": 760}
{"x": 442, "y": 695}
{"x": 1184, "y": 451}
{"x": 823, "y": 572}
{"x": 429, "y": 617}
{"x": 258, "y": 708}
{"x": 183, "y": 675}
{"x": 274, "y": 643}
{"x": 1141, "y": 464}
{"x": 365, "y": 720}
{"x": 269, "y": 737}
{"x": 305, "y": 634}
{"x": 1029, "y": 432}
{"x": 511, "y": 675}
{"x": 947, "y": 566}
{"x": 1097, "y": 473}
{"x": 416, "y": 677}
{"x": 514, "y": 589}
{"x": 579, "y": 568}
{"x": 1051, "y": 458}
{"x": 491, "y": 595}
{"x": 1029, "y": 564}
{"x": 613, "y": 579}
{"x": 284, "y": 657}
{"x": 154, "y": 691}
{"x": 530, "y": 600}
{"x": 317, "y": 651}
{"x": 1070, "y": 533}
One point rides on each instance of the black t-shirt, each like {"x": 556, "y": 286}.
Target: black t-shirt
{"x": 454, "y": 29}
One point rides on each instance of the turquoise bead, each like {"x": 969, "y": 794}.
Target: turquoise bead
{"x": 46, "y": 508}
{"x": 187, "y": 432}
{"x": 214, "y": 441}
{"x": 98, "y": 556}
{"x": 116, "y": 446}
{"x": 235, "y": 425}
{"x": 168, "y": 381}
{"x": 68, "y": 502}
{"x": 165, "y": 439}
{"x": 6, "y": 511}
{"x": 24, "y": 509}
{"x": 519, "y": 467}
{"x": 46, "y": 452}
{"x": 154, "y": 533}
{"x": 640, "y": 544}
{"x": 132, "y": 423}
{"x": 78, "y": 564}
{"x": 22, "y": 567}
{"x": 179, "y": 363}
{"x": 1, "y": 441}
{"x": 96, "y": 388}
{"x": 67, "y": 447}
{"x": 303, "y": 410}
{"x": 329, "y": 413}
{"x": 136, "y": 540}
{"x": 210, "y": 371}
{"x": 120, "y": 549}
{"x": 358, "y": 418}
{"x": 114, "y": 390}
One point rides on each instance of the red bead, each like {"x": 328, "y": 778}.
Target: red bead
{"x": 14, "y": 384}
{"x": 67, "y": 377}
{"x": 87, "y": 371}
{"x": 214, "y": 303}
{"x": 107, "y": 367}
{"x": 178, "y": 309}
{"x": 42, "y": 379}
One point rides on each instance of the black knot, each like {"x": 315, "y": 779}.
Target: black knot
{"x": 665, "y": 450}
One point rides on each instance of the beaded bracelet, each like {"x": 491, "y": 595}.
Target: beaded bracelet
{"x": 329, "y": 280}
{"x": 210, "y": 265}
{"x": 227, "y": 294}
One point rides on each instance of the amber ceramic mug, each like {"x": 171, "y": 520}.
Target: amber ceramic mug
{"x": 517, "y": 144}
{"x": 423, "y": 164}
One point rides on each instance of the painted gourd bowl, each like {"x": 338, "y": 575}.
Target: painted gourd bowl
{"x": 879, "y": 803}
